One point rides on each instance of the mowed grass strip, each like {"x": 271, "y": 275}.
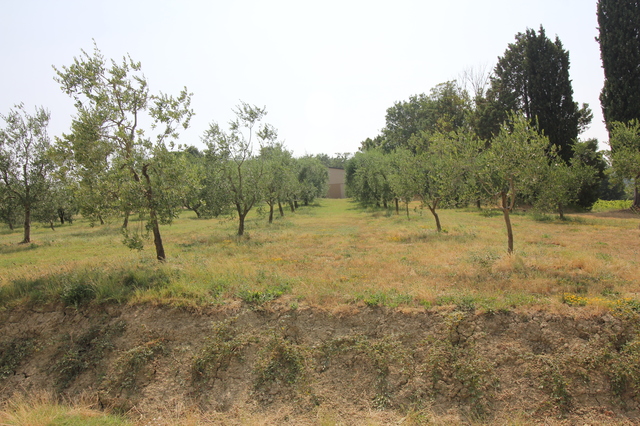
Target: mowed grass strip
{"x": 334, "y": 252}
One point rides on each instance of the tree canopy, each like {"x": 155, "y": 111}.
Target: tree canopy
{"x": 446, "y": 108}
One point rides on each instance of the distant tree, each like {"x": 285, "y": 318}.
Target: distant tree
{"x": 404, "y": 169}
{"x": 586, "y": 154}
{"x": 560, "y": 186}
{"x": 313, "y": 178}
{"x": 448, "y": 171}
{"x": 25, "y": 165}
{"x": 215, "y": 195}
{"x": 84, "y": 157}
{"x": 532, "y": 77}
{"x": 369, "y": 143}
{"x": 280, "y": 176}
{"x": 338, "y": 161}
{"x": 112, "y": 101}
{"x": 10, "y": 211}
{"x": 612, "y": 187}
{"x": 514, "y": 166}
{"x": 446, "y": 108}
{"x": 233, "y": 153}
{"x": 619, "y": 38}
{"x": 194, "y": 198}
{"x": 59, "y": 205}
{"x": 625, "y": 153}
{"x": 367, "y": 178}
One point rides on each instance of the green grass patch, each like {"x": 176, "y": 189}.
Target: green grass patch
{"x": 609, "y": 205}
{"x": 82, "y": 286}
{"x": 390, "y": 298}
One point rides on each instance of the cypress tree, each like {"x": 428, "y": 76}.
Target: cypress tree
{"x": 533, "y": 78}
{"x": 619, "y": 26}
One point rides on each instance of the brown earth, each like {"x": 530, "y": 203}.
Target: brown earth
{"x": 284, "y": 363}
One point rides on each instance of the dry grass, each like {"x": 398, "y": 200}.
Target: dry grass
{"x": 338, "y": 253}
{"x": 44, "y": 410}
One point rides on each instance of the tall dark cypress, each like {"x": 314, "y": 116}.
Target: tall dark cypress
{"x": 619, "y": 26}
{"x": 533, "y": 77}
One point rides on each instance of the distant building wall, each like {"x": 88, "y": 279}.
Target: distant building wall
{"x": 336, "y": 183}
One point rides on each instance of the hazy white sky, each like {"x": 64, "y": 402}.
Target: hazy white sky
{"x": 326, "y": 70}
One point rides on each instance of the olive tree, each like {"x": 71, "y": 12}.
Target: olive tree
{"x": 513, "y": 166}
{"x": 405, "y": 169}
{"x": 313, "y": 179}
{"x": 234, "y": 156}
{"x": 280, "y": 176}
{"x": 25, "y": 165}
{"x": 625, "y": 154}
{"x": 447, "y": 175}
{"x": 367, "y": 177}
{"x": 561, "y": 185}
{"x": 113, "y": 102}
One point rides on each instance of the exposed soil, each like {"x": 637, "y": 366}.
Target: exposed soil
{"x": 347, "y": 366}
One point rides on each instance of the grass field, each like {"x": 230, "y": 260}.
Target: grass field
{"x": 335, "y": 252}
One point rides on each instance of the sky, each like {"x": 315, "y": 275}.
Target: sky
{"x": 326, "y": 71}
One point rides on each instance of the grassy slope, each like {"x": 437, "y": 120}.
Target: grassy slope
{"x": 335, "y": 253}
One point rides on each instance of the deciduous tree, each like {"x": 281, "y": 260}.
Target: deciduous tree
{"x": 446, "y": 108}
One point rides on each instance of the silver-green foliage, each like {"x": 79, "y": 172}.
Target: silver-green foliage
{"x": 25, "y": 166}
{"x": 625, "y": 152}
{"x": 514, "y": 166}
{"x": 237, "y": 171}
{"x": 110, "y": 152}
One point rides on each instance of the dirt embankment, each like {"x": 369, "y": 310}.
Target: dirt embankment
{"x": 292, "y": 364}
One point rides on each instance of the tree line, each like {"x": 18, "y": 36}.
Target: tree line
{"x": 512, "y": 135}
{"x": 121, "y": 160}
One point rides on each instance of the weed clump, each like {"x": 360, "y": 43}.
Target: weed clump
{"x": 133, "y": 361}
{"x": 385, "y": 357}
{"x": 221, "y": 348}
{"x": 12, "y": 353}
{"x": 391, "y": 298}
{"x": 258, "y": 297}
{"x": 84, "y": 352}
{"x": 76, "y": 294}
{"x": 280, "y": 361}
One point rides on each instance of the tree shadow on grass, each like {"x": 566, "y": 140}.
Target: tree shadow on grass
{"x": 17, "y": 248}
